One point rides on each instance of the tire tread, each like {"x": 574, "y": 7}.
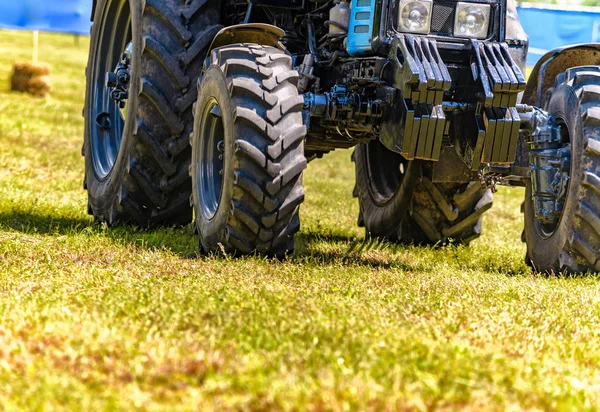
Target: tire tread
{"x": 175, "y": 33}
{"x": 268, "y": 150}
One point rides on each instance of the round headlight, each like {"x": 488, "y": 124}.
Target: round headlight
{"x": 472, "y": 20}
{"x": 415, "y": 16}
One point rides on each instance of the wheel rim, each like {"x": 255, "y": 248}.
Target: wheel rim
{"x": 386, "y": 170}
{"x": 209, "y": 159}
{"x": 106, "y": 116}
{"x": 546, "y": 230}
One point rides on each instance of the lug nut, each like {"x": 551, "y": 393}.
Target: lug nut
{"x": 118, "y": 95}
{"x": 103, "y": 121}
{"x": 124, "y": 78}
{"x": 111, "y": 80}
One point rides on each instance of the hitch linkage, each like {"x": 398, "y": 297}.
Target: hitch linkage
{"x": 118, "y": 81}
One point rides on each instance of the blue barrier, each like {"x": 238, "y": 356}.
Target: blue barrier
{"x": 548, "y": 26}
{"x": 66, "y": 16}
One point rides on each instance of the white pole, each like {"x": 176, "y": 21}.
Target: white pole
{"x": 36, "y": 41}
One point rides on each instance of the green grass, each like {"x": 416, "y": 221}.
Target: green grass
{"x": 98, "y": 318}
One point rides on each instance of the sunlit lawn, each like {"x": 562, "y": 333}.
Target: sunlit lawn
{"x": 96, "y": 318}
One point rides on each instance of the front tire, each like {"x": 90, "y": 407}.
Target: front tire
{"x": 573, "y": 245}
{"x": 248, "y": 152}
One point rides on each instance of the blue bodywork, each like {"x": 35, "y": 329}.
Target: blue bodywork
{"x": 360, "y": 31}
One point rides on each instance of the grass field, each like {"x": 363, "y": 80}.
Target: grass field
{"x": 97, "y": 318}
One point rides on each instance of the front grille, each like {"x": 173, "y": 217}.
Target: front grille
{"x": 442, "y": 18}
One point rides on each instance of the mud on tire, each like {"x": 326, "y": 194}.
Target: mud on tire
{"x": 410, "y": 208}
{"x": 442, "y": 212}
{"x": 253, "y": 206}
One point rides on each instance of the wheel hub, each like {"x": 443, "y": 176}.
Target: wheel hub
{"x": 550, "y": 164}
{"x": 117, "y": 81}
{"x": 110, "y": 81}
{"x": 209, "y": 160}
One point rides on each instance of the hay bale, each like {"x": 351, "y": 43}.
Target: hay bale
{"x": 32, "y": 78}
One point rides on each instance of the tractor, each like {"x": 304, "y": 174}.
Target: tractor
{"x": 209, "y": 111}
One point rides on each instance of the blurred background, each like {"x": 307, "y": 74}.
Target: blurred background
{"x": 549, "y": 24}
{"x": 65, "y": 16}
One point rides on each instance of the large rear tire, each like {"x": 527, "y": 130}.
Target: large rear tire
{"x": 573, "y": 244}
{"x": 137, "y": 158}
{"x": 398, "y": 201}
{"x": 248, "y": 152}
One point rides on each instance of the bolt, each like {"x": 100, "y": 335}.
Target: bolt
{"x": 118, "y": 95}
{"x": 221, "y": 146}
{"x": 111, "y": 80}
{"x": 103, "y": 121}
{"x": 124, "y": 77}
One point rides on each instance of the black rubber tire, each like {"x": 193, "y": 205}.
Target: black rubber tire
{"x": 258, "y": 209}
{"x": 384, "y": 193}
{"x": 574, "y": 246}
{"x": 419, "y": 211}
{"x": 149, "y": 183}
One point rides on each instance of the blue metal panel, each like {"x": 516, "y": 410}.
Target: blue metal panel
{"x": 67, "y": 16}
{"x": 549, "y": 27}
{"x": 360, "y": 31}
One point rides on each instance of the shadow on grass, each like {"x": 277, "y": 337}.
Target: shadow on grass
{"x": 35, "y": 223}
{"x": 175, "y": 240}
{"x": 335, "y": 237}
{"x": 311, "y": 247}
{"x": 347, "y": 250}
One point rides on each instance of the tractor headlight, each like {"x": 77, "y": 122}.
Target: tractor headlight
{"x": 415, "y": 16}
{"x": 472, "y": 20}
